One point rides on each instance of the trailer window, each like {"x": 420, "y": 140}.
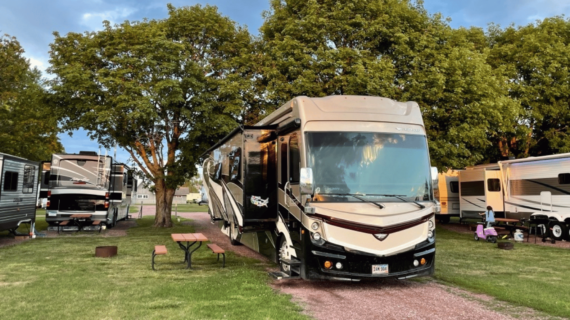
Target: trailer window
{"x": 454, "y": 187}
{"x": 294, "y": 159}
{"x": 473, "y": 188}
{"x": 493, "y": 185}
{"x": 564, "y": 178}
{"x": 28, "y": 182}
{"x": 11, "y": 181}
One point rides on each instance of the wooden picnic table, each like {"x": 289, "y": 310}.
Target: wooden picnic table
{"x": 509, "y": 224}
{"x": 191, "y": 239}
{"x": 81, "y": 219}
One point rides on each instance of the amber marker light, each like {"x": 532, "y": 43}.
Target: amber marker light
{"x": 423, "y": 261}
{"x": 328, "y": 264}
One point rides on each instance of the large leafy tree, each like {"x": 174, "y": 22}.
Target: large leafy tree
{"x": 28, "y": 127}
{"x": 536, "y": 59}
{"x": 395, "y": 49}
{"x": 161, "y": 89}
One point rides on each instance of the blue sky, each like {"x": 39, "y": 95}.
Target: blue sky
{"x": 33, "y": 22}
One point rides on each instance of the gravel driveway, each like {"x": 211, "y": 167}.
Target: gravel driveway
{"x": 390, "y": 299}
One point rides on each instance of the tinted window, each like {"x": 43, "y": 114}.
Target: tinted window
{"x": 454, "y": 187}
{"x": 493, "y": 185}
{"x": 283, "y": 162}
{"x": 235, "y": 164}
{"x": 10, "y": 181}
{"x": 473, "y": 188}
{"x": 294, "y": 159}
{"x": 564, "y": 178}
{"x": 28, "y": 182}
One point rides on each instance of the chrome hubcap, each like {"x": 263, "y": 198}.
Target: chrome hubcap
{"x": 283, "y": 254}
{"x": 556, "y": 231}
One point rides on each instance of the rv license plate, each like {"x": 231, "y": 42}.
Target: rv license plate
{"x": 379, "y": 269}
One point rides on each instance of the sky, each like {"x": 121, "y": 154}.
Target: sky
{"x": 33, "y": 24}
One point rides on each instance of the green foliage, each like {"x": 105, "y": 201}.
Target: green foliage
{"x": 536, "y": 59}
{"x": 164, "y": 90}
{"x": 28, "y": 127}
{"x": 395, "y": 49}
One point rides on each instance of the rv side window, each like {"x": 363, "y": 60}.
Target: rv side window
{"x": 454, "y": 186}
{"x": 564, "y": 178}
{"x": 235, "y": 164}
{"x": 493, "y": 185}
{"x": 28, "y": 182}
{"x": 10, "y": 181}
{"x": 294, "y": 159}
{"x": 473, "y": 188}
{"x": 284, "y": 163}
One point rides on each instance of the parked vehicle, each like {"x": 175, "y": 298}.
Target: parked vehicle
{"x": 539, "y": 188}
{"x": 479, "y": 187}
{"x": 330, "y": 188}
{"x": 18, "y": 190}
{"x": 447, "y": 194}
{"x": 88, "y": 183}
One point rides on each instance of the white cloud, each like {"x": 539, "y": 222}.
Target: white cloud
{"x": 37, "y": 63}
{"x": 94, "y": 20}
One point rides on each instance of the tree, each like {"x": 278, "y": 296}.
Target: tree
{"x": 395, "y": 49}
{"x": 536, "y": 59}
{"x": 28, "y": 128}
{"x": 162, "y": 89}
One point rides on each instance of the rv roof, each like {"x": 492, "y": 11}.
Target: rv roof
{"x": 349, "y": 108}
{"x": 488, "y": 166}
{"x": 529, "y": 159}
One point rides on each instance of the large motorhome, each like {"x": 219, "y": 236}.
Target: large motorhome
{"x": 88, "y": 183}
{"x": 447, "y": 194}
{"x": 539, "y": 187}
{"x": 18, "y": 190}
{"x": 479, "y": 187}
{"x": 330, "y": 188}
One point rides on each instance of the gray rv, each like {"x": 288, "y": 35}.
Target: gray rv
{"x": 18, "y": 189}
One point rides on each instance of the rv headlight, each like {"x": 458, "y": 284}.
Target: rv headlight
{"x": 430, "y": 224}
{"x": 315, "y": 226}
{"x": 338, "y": 265}
{"x": 430, "y": 234}
{"x": 437, "y": 207}
{"x": 316, "y": 236}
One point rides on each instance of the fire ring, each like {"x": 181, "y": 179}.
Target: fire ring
{"x": 106, "y": 251}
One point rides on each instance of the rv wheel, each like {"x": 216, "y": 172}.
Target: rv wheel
{"x": 283, "y": 255}
{"x": 558, "y": 230}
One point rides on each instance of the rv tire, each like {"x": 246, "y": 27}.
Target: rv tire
{"x": 558, "y": 230}
{"x": 281, "y": 254}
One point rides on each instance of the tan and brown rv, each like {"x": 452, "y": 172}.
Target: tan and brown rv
{"x": 330, "y": 188}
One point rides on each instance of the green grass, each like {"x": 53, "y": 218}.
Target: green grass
{"x": 533, "y": 276}
{"x": 59, "y": 278}
{"x": 190, "y": 207}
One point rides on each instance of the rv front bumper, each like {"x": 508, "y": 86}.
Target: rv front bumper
{"x": 360, "y": 265}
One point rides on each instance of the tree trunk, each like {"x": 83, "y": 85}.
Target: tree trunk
{"x": 164, "y": 197}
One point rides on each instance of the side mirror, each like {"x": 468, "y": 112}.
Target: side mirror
{"x": 434, "y": 178}
{"x": 306, "y": 181}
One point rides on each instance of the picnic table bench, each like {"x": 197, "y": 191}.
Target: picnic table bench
{"x": 216, "y": 249}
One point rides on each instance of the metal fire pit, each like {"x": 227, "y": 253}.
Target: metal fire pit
{"x": 106, "y": 251}
{"x": 505, "y": 245}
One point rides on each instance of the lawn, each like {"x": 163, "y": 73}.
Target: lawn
{"x": 59, "y": 278}
{"x": 534, "y": 276}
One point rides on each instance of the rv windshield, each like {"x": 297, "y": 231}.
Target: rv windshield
{"x": 379, "y": 165}
{"x": 79, "y": 173}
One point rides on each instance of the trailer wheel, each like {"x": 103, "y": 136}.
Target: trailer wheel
{"x": 567, "y": 232}
{"x": 283, "y": 255}
{"x": 558, "y": 230}
{"x": 444, "y": 219}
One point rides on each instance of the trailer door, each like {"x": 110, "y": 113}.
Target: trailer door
{"x": 493, "y": 190}
{"x": 260, "y": 176}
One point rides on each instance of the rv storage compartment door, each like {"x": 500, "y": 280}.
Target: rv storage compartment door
{"x": 260, "y": 176}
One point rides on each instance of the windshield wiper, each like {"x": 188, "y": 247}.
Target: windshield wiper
{"x": 399, "y": 196}
{"x": 357, "y": 197}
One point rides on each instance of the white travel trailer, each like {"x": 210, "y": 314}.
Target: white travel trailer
{"x": 447, "y": 194}
{"x": 88, "y": 183}
{"x": 479, "y": 187}
{"x": 18, "y": 190}
{"x": 330, "y": 188}
{"x": 539, "y": 188}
